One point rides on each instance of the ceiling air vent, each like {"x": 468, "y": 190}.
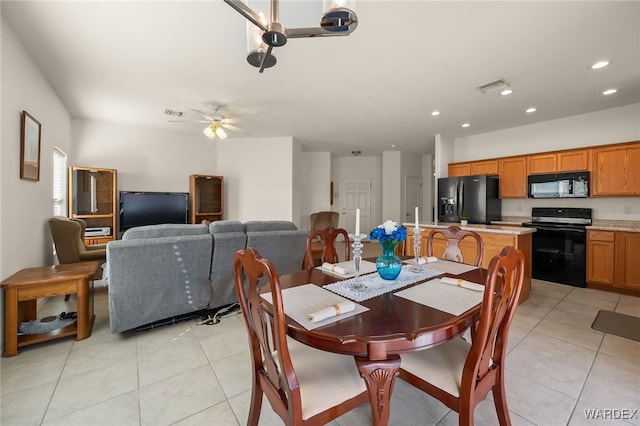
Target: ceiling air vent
{"x": 173, "y": 113}
{"x": 494, "y": 86}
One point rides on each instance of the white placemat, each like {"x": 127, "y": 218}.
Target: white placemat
{"x": 366, "y": 267}
{"x": 450, "y": 267}
{"x": 302, "y": 300}
{"x": 445, "y": 297}
{"x": 376, "y": 286}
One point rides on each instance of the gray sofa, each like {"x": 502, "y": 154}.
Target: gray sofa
{"x": 158, "y": 272}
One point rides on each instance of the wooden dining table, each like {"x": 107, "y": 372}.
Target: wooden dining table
{"x": 391, "y": 326}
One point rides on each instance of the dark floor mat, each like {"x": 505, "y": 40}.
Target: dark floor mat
{"x": 618, "y": 324}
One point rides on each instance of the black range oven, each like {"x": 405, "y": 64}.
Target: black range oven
{"x": 559, "y": 245}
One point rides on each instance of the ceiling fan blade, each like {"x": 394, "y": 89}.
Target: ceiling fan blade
{"x": 190, "y": 121}
{"x": 231, "y": 127}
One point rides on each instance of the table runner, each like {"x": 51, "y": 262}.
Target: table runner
{"x": 445, "y": 297}
{"x": 376, "y": 286}
{"x": 366, "y": 267}
{"x": 300, "y": 301}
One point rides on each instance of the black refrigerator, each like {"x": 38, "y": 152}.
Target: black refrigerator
{"x": 476, "y": 196}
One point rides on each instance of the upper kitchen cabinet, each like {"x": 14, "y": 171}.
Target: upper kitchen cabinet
{"x": 616, "y": 170}
{"x": 485, "y": 167}
{"x": 459, "y": 169}
{"x": 513, "y": 177}
{"x": 563, "y": 161}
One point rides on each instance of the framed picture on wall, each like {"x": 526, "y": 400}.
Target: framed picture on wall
{"x": 30, "y": 132}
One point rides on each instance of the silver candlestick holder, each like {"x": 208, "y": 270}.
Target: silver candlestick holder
{"x": 416, "y": 248}
{"x": 357, "y": 283}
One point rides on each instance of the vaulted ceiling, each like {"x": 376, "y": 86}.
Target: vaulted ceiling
{"x": 127, "y": 62}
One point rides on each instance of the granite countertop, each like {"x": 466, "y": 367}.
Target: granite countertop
{"x": 495, "y": 229}
{"x": 615, "y": 225}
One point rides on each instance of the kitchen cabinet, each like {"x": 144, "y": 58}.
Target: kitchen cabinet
{"x": 486, "y": 167}
{"x": 513, "y": 177}
{"x": 493, "y": 244}
{"x": 556, "y": 162}
{"x": 627, "y": 256}
{"x": 92, "y": 198}
{"x": 459, "y": 169}
{"x": 612, "y": 258}
{"x": 616, "y": 170}
{"x": 600, "y": 257}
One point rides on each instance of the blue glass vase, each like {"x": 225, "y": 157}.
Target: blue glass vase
{"x": 388, "y": 264}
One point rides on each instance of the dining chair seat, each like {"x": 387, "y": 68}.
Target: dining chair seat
{"x": 318, "y": 373}
{"x": 442, "y": 365}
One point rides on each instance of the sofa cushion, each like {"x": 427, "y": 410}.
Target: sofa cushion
{"x": 270, "y": 225}
{"x": 164, "y": 230}
{"x": 221, "y": 226}
{"x": 285, "y": 249}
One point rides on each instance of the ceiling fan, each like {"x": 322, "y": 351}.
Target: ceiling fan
{"x": 216, "y": 122}
{"x": 336, "y": 20}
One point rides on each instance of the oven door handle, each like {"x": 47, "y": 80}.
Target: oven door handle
{"x": 550, "y": 228}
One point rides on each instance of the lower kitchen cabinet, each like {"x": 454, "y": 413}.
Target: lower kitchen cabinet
{"x": 611, "y": 257}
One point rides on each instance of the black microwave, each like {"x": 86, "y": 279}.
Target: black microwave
{"x": 559, "y": 185}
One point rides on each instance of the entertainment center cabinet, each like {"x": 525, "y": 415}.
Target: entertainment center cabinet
{"x": 206, "y": 198}
{"x": 92, "y": 198}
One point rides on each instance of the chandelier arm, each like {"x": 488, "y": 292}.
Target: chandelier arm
{"x": 313, "y": 32}
{"x": 265, "y": 56}
{"x": 247, "y": 12}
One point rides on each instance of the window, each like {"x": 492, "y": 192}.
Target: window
{"x": 59, "y": 182}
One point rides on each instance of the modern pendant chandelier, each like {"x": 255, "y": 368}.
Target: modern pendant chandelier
{"x": 262, "y": 35}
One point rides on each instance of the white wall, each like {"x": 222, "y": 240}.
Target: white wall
{"x": 146, "y": 158}
{"x": 27, "y": 205}
{"x": 392, "y": 187}
{"x": 428, "y": 189}
{"x": 598, "y": 128}
{"x": 315, "y": 181}
{"x": 259, "y": 178}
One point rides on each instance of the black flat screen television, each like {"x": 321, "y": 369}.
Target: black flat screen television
{"x": 152, "y": 208}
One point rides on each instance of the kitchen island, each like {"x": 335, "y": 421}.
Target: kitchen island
{"x": 494, "y": 237}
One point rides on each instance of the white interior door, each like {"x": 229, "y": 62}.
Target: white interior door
{"x": 412, "y": 198}
{"x": 356, "y": 194}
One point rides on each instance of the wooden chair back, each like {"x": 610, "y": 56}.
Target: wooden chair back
{"x": 454, "y": 235}
{"x": 272, "y": 356}
{"x": 324, "y": 239}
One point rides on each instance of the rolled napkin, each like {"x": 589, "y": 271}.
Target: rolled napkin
{"x": 332, "y": 311}
{"x": 462, "y": 283}
{"x": 334, "y": 268}
{"x": 423, "y": 260}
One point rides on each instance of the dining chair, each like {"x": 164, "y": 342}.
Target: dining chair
{"x": 461, "y": 374}
{"x": 305, "y": 386}
{"x": 454, "y": 235}
{"x": 321, "y": 245}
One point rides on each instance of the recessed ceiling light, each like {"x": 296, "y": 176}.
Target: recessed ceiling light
{"x": 466, "y": 125}
{"x": 609, "y": 91}
{"x": 435, "y": 113}
{"x": 506, "y": 92}
{"x": 599, "y": 64}
{"x": 530, "y": 110}
{"x": 394, "y": 145}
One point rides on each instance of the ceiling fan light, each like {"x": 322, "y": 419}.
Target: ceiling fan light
{"x": 221, "y": 133}
{"x": 210, "y": 132}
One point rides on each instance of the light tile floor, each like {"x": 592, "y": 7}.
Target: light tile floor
{"x": 188, "y": 374}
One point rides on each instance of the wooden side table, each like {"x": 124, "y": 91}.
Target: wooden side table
{"x": 23, "y": 288}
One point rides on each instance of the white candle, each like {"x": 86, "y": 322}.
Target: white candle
{"x": 417, "y": 221}
{"x": 357, "y": 221}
